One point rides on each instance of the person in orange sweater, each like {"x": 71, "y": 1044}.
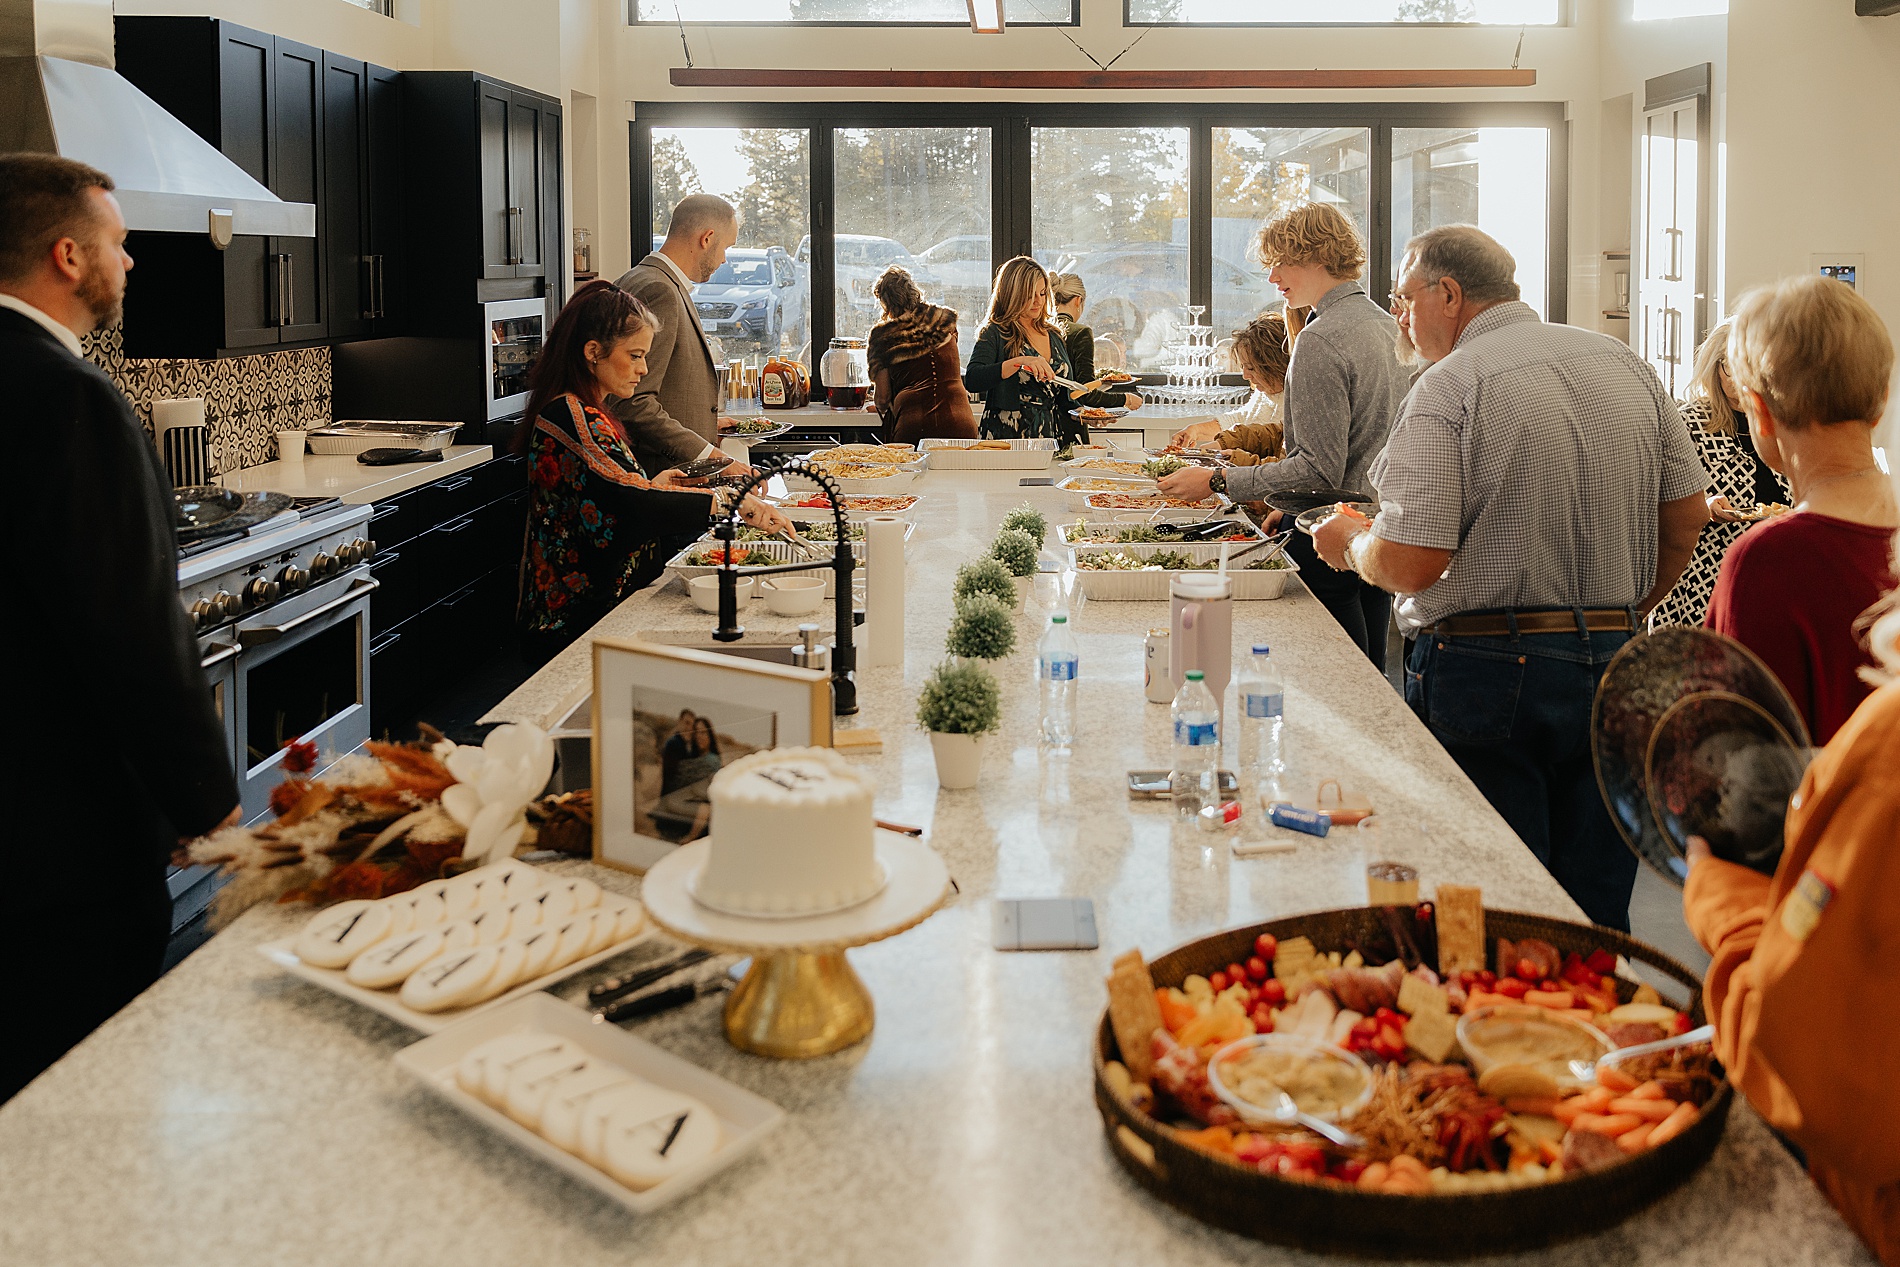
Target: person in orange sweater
{"x": 1806, "y": 965}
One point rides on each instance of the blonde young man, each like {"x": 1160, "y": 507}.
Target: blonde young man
{"x": 1343, "y": 388}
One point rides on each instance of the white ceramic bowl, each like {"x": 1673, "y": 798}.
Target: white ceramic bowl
{"x": 792, "y": 595}
{"x": 704, "y": 591}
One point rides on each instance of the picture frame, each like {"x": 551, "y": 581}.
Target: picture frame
{"x": 665, "y": 719}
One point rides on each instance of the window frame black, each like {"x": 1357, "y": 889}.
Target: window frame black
{"x": 634, "y": 19}
{"x": 1011, "y": 124}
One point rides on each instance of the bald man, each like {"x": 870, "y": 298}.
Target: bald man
{"x": 674, "y": 415}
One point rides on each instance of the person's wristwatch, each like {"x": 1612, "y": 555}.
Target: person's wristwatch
{"x": 1217, "y": 483}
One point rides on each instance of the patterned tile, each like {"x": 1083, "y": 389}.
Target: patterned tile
{"x": 248, "y": 399}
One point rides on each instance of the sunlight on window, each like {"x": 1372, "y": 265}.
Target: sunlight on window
{"x": 951, "y": 12}
{"x": 1344, "y": 12}
{"x": 1653, "y": 10}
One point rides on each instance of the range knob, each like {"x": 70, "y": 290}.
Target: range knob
{"x": 360, "y": 550}
{"x": 226, "y": 605}
{"x": 293, "y": 578}
{"x": 261, "y": 592}
{"x": 322, "y": 565}
{"x": 203, "y": 615}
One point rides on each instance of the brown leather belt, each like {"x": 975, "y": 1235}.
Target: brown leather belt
{"x": 1498, "y": 624}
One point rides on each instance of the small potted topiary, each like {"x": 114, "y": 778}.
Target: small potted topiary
{"x": 960, "y": 703}
{"x": 1031, "y": 521}
{"x": 987, "y": 576}
{"x": 1016, "y": 550}
{"x": 981, "y": 630}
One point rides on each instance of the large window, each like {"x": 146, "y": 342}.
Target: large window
{"x": 1495, "y": 178}
{"x": 1260, "y": 171}
{"x": 848, "y": 12}
{"x": 1342, "y": 12}
{"x": 1111, "y": 205}
{"x": 759, "y": 302}
{"x": 918, "y": 198}
{"x": 1154, "y": 205}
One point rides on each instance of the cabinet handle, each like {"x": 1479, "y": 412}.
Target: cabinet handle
{"x": 383, "y": 644}
{"x": 460, "y": 481}
{"x": 514, "y": 235}
{"x": 456, "y": 525}
{"x": 382, "y": 295}
{"x": 286, "y": 297}
{"x": 367, "y": 309}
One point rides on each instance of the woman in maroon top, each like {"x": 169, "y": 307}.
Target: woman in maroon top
{"x": 1812, "y": 359}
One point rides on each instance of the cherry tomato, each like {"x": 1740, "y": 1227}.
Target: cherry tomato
{"x": 1682, "y": 1022}
{"x": 1236, "y": 972}
{"x": 1601, "y": 962}
{"x": 1349, "y": 1170}
{"x": 1256, "y": 969}
{"x": 1266, "y": 946}
{"x": 1512, "y": 988}
{"x": 1262, "y": 1020}
{"x": 1218, "y": 980}
{"x": 1272, "y": 992}
{"x": 1487, "y": 978}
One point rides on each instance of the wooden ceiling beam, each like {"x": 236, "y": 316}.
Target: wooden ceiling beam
{"x": 1112, "y": 80}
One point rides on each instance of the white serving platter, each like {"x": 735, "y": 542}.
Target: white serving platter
{"x": 744, "y": 1118}
{"x": 389, "y": 1002}
{"x": 963, "y": 455}
{"x": 1152, "y": 586}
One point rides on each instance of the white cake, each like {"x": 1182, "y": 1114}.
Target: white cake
{"x": 791, "y": 835}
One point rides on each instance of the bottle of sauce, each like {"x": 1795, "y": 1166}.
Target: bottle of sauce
{"x": 777, "y": 385}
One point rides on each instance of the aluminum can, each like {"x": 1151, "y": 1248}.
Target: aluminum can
{"x": 1154, "y": 675}
{"x": 1297, "y": 819}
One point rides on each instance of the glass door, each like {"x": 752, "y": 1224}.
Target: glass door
{"x": 515, "y": 330}
{"x": 1495, "y": 178}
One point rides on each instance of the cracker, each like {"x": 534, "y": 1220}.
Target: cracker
{"x": 1293, "y": 959}
{"x": 1432, "y": 1035}
{"x": 1460, "y": 910}
{"x": 1134, "y": 1013}
{"x": 1417, "y": 995}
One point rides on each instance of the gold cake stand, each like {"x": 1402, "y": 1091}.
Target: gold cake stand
{"x": 800, "y": 998}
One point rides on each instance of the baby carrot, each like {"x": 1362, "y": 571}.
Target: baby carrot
{"x": 1616, "y": 1080}
{"x": 1636, "y": 1139}
{"x": 1673, "y": 1125}
{"x": 1648, "y": 1110}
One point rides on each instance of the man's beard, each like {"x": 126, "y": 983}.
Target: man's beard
{"x": 1407, "y": 350}
{"x": 103, "y": 300}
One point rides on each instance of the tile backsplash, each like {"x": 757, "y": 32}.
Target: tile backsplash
{"x": 248, "y": 399}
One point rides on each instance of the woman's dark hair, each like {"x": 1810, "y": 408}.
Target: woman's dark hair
{"x": 896, "y": 290}
{"x": 600, "y": 312}
{"x": 712, "y": 736}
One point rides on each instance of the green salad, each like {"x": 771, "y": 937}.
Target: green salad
{"x": 1156, "y": 468}
{"x": 751, "y": 426}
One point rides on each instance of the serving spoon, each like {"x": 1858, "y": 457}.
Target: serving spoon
{"x": 1287, "y": 1111}
{"x": 1586, "y": 1070}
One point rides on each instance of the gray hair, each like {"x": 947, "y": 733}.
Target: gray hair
{"x": 1483, "y": 269}
{"x": 697, "y": 213}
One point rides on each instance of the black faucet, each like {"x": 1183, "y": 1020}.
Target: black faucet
{"x": 844, "y": 689}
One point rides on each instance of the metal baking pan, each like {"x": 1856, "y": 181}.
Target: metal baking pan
{"x": 355, "y": 435}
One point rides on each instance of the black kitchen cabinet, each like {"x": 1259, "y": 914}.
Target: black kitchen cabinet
{"x": 260, "y": 100}
{"x": 484, "y": 157}
{"x": 362, "y": 106}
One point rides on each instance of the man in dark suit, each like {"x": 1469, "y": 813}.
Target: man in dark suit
{"x": 117, "y": 751}
{"x": 674, "y": 415}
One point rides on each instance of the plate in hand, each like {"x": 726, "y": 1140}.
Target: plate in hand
{"x": 1307, "y": 520}
{"x": 1721, "y": 768}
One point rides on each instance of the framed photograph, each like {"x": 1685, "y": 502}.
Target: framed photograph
{"x": 666, "y": 719}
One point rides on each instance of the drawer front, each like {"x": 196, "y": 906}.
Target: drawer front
{"x": 451, "y": 555}
{"x": 396, "y": 681}
{"x": 500, "y": 477}
{"x": 399, "y": 594}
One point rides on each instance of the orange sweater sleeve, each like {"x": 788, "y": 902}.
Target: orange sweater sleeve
{"x": 1802, "y": 1007}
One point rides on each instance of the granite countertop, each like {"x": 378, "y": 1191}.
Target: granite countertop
{"x": 234, "y": 1115}
{"x": 342, "y": 476}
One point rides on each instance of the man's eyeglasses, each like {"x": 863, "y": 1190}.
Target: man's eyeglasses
{"x": 1400, "y": 302}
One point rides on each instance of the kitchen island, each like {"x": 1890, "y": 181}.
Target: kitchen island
{"x": 234, "y": 1115}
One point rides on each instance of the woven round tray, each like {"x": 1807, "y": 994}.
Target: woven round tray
{"x": 1334, "y": 1218}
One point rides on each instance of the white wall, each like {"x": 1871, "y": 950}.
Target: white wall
{"x": 342, "y": 28}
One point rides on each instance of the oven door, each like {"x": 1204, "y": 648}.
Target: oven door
{"x": 302, "y": 673}
{"x": 513, "y": 330}
{"x": 193, "y": 887}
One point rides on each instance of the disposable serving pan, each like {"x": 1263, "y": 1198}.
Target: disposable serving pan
{"x": 1068, "y": 533}
{"x": 1152, "y": 586}
{"x": 1334, "y": 1219}
{"x": 963, "y": 455}
{"x": 1206, "y": 508}
{"x": 902, "y": 479}
{"x": 782, "y": 551}
{"x": 389, "y": 1002}
{"x": 353, "y": 435}
{"x": 1081, "y": 485}
{"x": 854, "y": 513}
{"x": 744, "y": 1118}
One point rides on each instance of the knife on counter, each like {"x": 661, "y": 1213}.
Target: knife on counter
{"x": 607, "y": 991}
{"x": 643, "y": 1005}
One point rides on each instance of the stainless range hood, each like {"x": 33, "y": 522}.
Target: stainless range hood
{"x": 59, "y": 94}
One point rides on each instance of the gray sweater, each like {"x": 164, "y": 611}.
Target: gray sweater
{"x": 1343, "y": 389}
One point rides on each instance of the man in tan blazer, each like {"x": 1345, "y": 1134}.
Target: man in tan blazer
{"x": 674, "y": 415}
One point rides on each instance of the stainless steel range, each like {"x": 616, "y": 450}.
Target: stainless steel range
{"x": 282, "y": 617}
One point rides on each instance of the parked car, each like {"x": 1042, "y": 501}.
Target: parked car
{"x": 1131, "y": 286}
{"x": 858, "y": 259}
{"x": 756, "y": 299}
{"x": 963, "y": 264}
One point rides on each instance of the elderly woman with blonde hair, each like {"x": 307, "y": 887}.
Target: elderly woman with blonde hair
{"x": 1798, "y": 956}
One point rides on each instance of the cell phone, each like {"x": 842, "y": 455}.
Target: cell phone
{"x": 1043, "y": 923}
{"x": 700, "y": 468}
{"x": 1152, "y": 785}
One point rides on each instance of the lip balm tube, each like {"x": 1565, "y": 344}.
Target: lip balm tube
{"x": 1312, "y": 822}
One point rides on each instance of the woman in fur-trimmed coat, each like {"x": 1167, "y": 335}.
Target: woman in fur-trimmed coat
{"x": 916, "y": 372}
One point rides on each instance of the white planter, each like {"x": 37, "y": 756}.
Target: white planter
{"x": 959, "y": 758}
{"x": 1024, "y": 586}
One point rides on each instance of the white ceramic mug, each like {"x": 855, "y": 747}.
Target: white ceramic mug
{"x": 290, "y": 446}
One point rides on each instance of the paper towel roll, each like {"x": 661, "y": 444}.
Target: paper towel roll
{"x": 884, "y": 589}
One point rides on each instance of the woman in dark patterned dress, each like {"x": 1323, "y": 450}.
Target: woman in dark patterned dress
{"x": 1742, "y": 490}
{"x": 595, "y": 523}
{"x": 1018, "y": 355}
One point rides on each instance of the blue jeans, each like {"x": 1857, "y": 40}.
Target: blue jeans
{"x": 1514, "y": 713}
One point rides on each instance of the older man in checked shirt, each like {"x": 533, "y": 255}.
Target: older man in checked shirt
{"x": 1538, "y": 494}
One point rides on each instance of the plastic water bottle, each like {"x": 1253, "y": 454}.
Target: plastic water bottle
{"x": 1193, "y": 782}
{"x": 1262, "y": 698}
{"x": 1056, "y": 668}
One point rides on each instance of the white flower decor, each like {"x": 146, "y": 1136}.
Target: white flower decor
{"x": 493, "y": 786}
